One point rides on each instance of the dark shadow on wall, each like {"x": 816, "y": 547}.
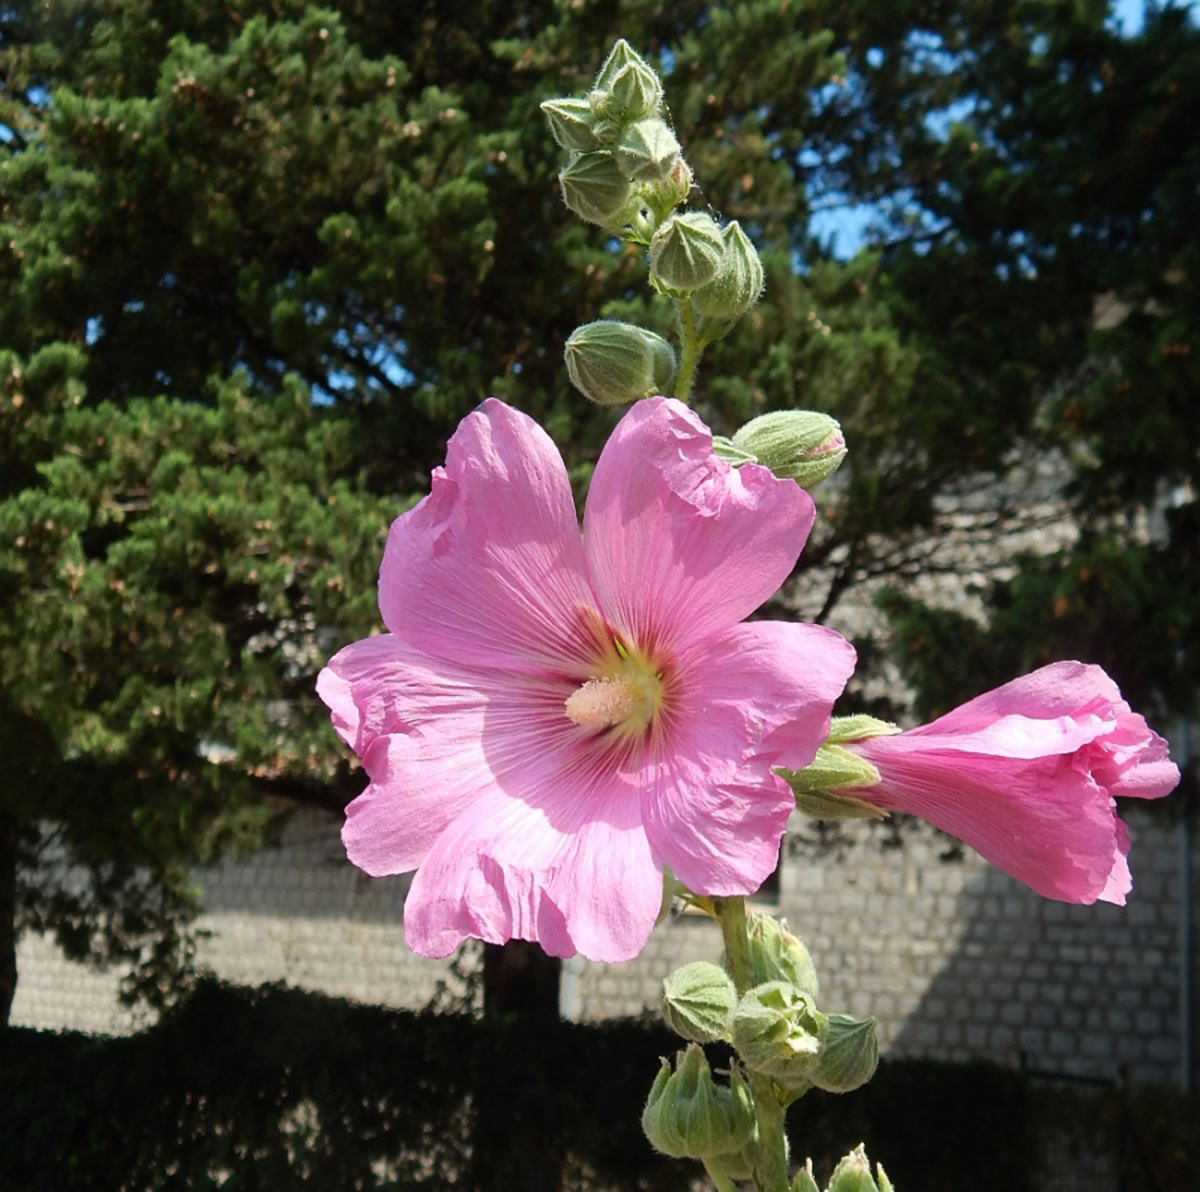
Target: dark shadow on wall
{"x": 1077, "y": 992}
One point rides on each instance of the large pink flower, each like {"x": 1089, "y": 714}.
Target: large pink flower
{"x": 553, "y": 718}
{"x": 1026, "y": 775}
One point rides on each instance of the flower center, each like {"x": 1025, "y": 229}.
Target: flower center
{"x": 627, "y": 700}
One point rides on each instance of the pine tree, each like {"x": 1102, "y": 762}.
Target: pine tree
{"x": 257, "y": 259}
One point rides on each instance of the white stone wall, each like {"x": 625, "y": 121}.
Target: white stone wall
{"x": 953, "y": 958}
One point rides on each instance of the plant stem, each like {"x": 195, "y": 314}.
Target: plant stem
{"x": 770, "y": 1172}
{"x": 719, "y": 1176}
{"x": 690, "y": 349}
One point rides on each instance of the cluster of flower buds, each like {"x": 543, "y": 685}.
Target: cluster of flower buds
{"x": 775, "y": 1027}
{"x": 626, "y": 174}
{"x": 852, "y": 1174}
{"x": 625, "y": 166}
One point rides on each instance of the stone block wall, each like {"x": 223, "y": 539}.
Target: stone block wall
{"x": 953, "y": 958}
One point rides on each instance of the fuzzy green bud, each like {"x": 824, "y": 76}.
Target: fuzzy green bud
{"x": 595, "y": 187}
{"x": 688, "y": 1115}
{"x": 698, "y": 1001}
{"x": 676, "y": 186}
{"x": 777, "y": 955}
{"x": 612, "y": 363}
{"x": 633, "y": 94}
{"x": 853, "y": 1174}
{"x": 848, "y": 1056}
{"x": 739, "y": 280}
{"x": 570, "y": 122}
{"x": 777, "y": 1029}
{"x": 818, "y": 786}
{"x": 619, "y": 57}
{"x": 648, "y": 151}
{"x": 686, "y": 251}
{"x": 800, "y": 445}
{"x": 805, "y": 1181}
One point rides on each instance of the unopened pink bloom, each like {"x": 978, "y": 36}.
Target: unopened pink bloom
{"x": 1026, "y": 775}
{"x": 553, "y": 718}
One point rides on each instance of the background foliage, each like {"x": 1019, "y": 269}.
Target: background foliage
{"x": 257, "y": 259}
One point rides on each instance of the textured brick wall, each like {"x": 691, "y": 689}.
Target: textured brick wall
{"x": 953, "y": 958}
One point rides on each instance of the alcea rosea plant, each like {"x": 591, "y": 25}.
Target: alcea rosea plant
{"x": 560, "y": 726}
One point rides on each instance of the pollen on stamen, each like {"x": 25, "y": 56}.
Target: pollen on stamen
{"x": 602, "y": 703}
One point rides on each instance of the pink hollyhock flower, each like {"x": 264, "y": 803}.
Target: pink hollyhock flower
{"x": 1026, "y": 776}
{"x": 552, "y": 719}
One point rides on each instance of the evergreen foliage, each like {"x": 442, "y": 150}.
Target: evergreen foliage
{"x": 257, "y": 259}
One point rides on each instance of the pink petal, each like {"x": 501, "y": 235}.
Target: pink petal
{"x": 681, "y": 545}
{"x": 489, "y": 568}
{"x": 1044, "y": 821}
{"x": 756, "y": 697}
{"x": 1061, "y": 689}
{"x": 417, "y": 724}
{"x": 570, "y": 869}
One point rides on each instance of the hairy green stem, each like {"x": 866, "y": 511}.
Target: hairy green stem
{"x": 770, "y": 1170}
{"x": 690, "y": 349}
{"x": 719, "y": 1176}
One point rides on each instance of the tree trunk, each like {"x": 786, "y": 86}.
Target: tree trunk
{"x": 519, "y": 978}
{"x": 9, "y": 831}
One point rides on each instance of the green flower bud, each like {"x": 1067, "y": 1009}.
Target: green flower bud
{"x": 676, "y": 186}
{"x": 633, "y": 94}
{"x": 698, "y": 1001}
{"x": 849, "y": 1055}
{"x": 648, "y": 151}
{"x": 689, "y": 1116}
{"x": 619, "y": 57}
{"x": 805, "y": 1181}
{"x": 800, "y": 445}
{"x": 777, "y": 955}
{"x": 853, "y": 1174}
{"x": 612, "y": 363}
{"x": 834, "y": 767}
{"x": 739, "y": 280}
{"x": 686, "y": 251}
{"x": 778, "y": 1029}
{"x": 570, "y": 123}
{"x": 594, "y": 187}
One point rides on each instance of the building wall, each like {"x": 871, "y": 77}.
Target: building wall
{"x": 953, "y": 958}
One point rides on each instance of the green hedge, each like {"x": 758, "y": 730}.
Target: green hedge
{"x": 275, "y": 1089}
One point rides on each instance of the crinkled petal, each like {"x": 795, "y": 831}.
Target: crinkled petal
{"x": 569, "y": 867}
{"x": 680, "y": 545}
{"x": 489, "y": 568}
{"x": 756, "y": 697}
{"x": 1131, "y": 762}
{"x": 417, "y": 724}
{"x": 1062, "y": 689}
{"x": 1044, "y": 821}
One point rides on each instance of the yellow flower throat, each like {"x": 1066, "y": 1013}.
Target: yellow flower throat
{"x": 626, "y": 695}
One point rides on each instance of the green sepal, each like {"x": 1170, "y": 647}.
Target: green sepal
{"x": 595, "y": 187}
{"x": 848, "y": 1056}
{"x": 805, "y": 1181}
{"x": 834, "y": 766}
{"x": 723, "y": 448}
{"x": 570, "y": 122}
{"x": 858, "y": 728}
{"x": 698, "y": 1001}
{"x": 825, "y": 805}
